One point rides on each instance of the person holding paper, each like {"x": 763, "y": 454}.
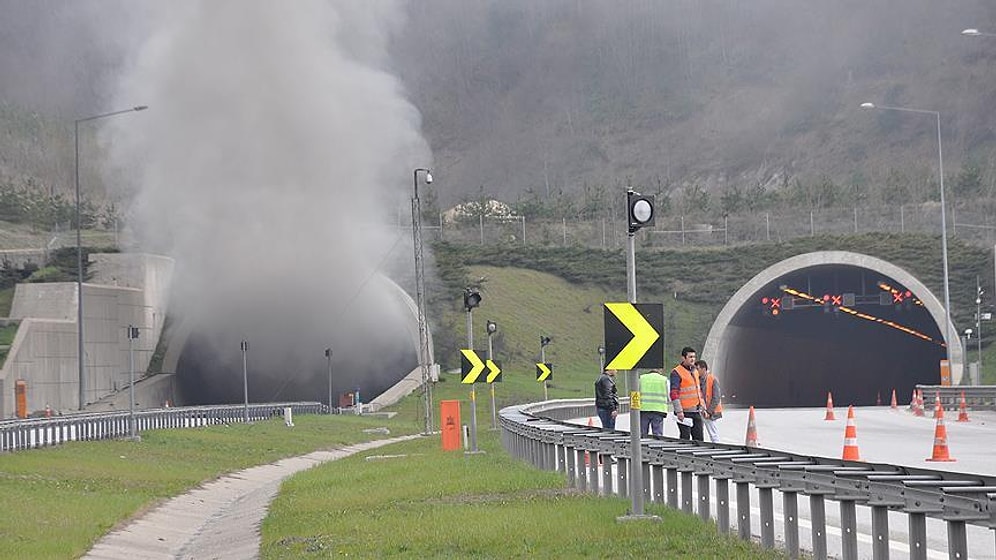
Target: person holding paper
{"x": 686, "y": 397}
{"x": 712, "y": 399}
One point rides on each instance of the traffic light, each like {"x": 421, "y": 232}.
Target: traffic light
{"x": 544, "y": 340}
{"x": 471, "y": 298}
{"x": 639, "y": 210}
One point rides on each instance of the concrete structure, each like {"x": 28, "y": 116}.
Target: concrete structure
{"x": 720, "y": 339}
{"x": 125, "y": 290}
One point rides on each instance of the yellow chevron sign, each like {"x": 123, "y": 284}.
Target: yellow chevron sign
{"x": 544, "y": 372}
{"x": 632, "y": 335}
{"x": 494, "y": 371}
{"x": 471, "y": 366}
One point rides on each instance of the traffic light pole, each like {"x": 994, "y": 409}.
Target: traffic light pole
{"x": 473, "y": 391}
{"x": 546, "y": 395}
{"x": 636, "y": 455}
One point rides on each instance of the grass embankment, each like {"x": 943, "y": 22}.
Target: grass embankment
{"x": 435, "y": 504}
{"x": 58, "y": 501}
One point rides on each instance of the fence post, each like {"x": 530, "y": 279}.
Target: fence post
{"x": 790, "y": 507}
{"x": 818, "y": 518}
{"x": 743, "y": 510}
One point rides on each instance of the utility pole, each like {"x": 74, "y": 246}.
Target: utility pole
{"x": 132, "y": 428}
{"x": 492, "y": 328}
{"x": 328, "y": 357}
{"x": 245, "y": 381}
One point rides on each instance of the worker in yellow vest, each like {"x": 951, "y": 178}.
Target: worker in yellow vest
{"x": 654, "y": 399}
{"x": 686, "y": 398}
{"x": 712, "y": 397}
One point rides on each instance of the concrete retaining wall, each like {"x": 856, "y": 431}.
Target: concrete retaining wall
{"x": 44, "y": 352}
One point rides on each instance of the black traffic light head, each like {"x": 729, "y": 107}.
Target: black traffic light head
{"x": 491, "y": 327}
{"x": 471, "y": 299}
{"x": 544, "y": 340}
{"x": 640, "y": 210}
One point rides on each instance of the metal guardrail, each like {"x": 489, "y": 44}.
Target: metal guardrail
{"x": 976, "y": 396}
{"x": 539, "y": 434}
{"x": 41, "y": 432}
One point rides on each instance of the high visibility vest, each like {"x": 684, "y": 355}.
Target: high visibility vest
{"x": 654, "y": 389}
{"x": 688, "y": 392}
{"x": 709, "y": 381}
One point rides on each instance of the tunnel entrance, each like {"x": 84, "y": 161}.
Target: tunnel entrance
{"x": 802, "y": 329}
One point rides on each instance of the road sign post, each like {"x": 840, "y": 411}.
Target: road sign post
{"x": 544, "y": 340}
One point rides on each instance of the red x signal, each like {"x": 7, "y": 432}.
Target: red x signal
{"x": 897, "y": 297}
{"x": 836, "y": 300}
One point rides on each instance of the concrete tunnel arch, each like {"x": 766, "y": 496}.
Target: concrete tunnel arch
{"x": 759, "y": 364}
{"x": 405, "y": 380}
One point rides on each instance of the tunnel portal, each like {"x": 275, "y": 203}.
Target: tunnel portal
{"x": 795, "y": 333}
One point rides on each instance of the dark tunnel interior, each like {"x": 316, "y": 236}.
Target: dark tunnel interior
{"x": 373, "y": 347}
{"x": 843, "y": 329}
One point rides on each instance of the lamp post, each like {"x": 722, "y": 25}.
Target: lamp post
{"x": 601, "y": 359}
{"x": 328, "y": 357}
{"x": 79, "y": 246}
{"x": 245, "y": 380}
{"x": 132, "y": 336}
{"x": 423, "y": 330}
{"x": 944, "y": 225}
{"x": 978, "y": 318}
{"x": 491, "y": 328}
{"x": 472, "y": 299}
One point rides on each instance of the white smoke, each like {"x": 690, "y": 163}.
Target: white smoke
{"x": 274, "y": 151}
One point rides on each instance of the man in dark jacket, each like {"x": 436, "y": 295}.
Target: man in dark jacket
{"x": 606, "y": 400}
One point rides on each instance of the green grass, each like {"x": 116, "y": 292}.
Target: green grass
{"x": 6, "y": 301}
{"x": 60, "y": 500}
{"x": 451, "y": 505}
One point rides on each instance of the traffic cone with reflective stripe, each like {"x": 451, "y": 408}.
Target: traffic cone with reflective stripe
{"x": 830, "y": 415}
{"x": 940, "y": 441}
{"x": 751, "y": 430}
{"x": 912, "y": 406}
{"x": 851, "y": 437}
{"x": 937, "y": 406}
{"x": 894, "y": 404}
{"x": 963, "y": 409}
{"x": 918, "y": 410}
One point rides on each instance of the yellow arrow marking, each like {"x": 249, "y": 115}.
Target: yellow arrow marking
{"x": 544, "y": 372}
{"x": 644, "y": 335}
{"x": 493, "y": 370}
{"x": 477, "y": 366}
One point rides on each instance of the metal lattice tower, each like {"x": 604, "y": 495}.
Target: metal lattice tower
{"x": 423, "y": 331}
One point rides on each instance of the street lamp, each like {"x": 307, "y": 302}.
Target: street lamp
{"x": 944, "y": 225}
{"x": 978, "y": 318}
{"x": 423, "y": 331}
{"x": 976, "y": 33}
{"x": 491, "y": 328}
{"x": 132, "y": 336}
{"x": 79, "y": 246}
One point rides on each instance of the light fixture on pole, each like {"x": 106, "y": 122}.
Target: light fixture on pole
{"x": 472, "y": 299}
{"x": 978, "y": 318}
{"x": 944, "y": 225}
{"x": 328, "y": 358}
{"x": 79, "y": 248}
{"x": 976, "y": 33}
{"x": 601, "y": 359}
{"x": 423, "y": 330}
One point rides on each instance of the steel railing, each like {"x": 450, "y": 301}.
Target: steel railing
{"x": 976, "y": 396}
{"x": 40, "y": 432}
{"x": 539, "y": 434}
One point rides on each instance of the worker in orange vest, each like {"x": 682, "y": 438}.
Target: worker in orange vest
{"x": 712, "y": 397}
{"x": 686, "y": 396}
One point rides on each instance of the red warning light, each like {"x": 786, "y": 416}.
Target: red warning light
{"x": 909, "y": 293}
{"x": 764, "y": 300}
{"x": 826, "y": 297}
{"x": 775, "y": 311}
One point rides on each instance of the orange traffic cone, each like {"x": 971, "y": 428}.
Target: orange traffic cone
{"x": 913, "y": 401}
{"x": 940, "y": 441}
{"x": 894, "y": 404}
{"x": 937, "y": 406}
{"x": 963, "y": 409}
{"x": 830, "y": 415}
{"x": 751, "y": 430}
{"x": 878, "y": 398}
{"x": 918, "y": 409}
{"x": 851, "y": 437}
{"x": 48, "y": 411}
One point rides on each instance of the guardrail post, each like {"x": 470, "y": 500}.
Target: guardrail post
{"x": 686, "y": 491}
{"x": 880, "y": 532}
{"x": 657, "y": 479}
{"x": 704, "y": 496}
{"x": 957, "y": 540}
{"x": 848, "y": 530}
{"x": 818, "y": 518}
{"x": 646, "y": 481}
{"x": 593, "y": 472}
{"x": 582, "y": 469}
{"x": 743, "y": 510}
{"x": 622, "y": 473}
{"x": 672, "y": 487}
{"x": 790, "y": 509}
{"x": 918, "y": 536}
{"x": 723, "y": 505}
{"x": 572, "y": 473}
{"x": 767, "y": 517}
{"x": 606, "y": 460}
